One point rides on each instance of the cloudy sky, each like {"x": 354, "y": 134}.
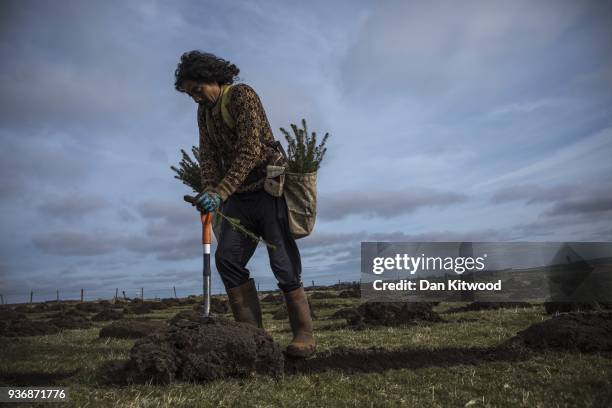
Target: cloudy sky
{"x": 476, "y": 120}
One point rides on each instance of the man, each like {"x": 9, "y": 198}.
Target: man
{"x": 233, "y": 160}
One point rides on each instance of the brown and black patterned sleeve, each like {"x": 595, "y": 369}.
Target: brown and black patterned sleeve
{"x": 250, "y": 122}
{"x": 208, "y": 169}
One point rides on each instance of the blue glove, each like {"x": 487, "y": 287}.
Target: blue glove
{"x": 208, "y": 201}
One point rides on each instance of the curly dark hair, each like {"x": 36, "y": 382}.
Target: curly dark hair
{"x": 204, "y": 67}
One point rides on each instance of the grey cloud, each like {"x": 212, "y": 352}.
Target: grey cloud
{"x": 583, "y": 205}
{"x": 384, "y": 204}
{"x": 72, "y": 207}
{"x": 565, "y": 199}
{"x": 74, "y": 244}
{"x": 531, "y": 193}
{"x": 428, "y": 50}
{"x": 177, "y": 213}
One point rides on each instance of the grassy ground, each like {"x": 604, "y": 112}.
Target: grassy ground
{"x": 548, "y": 379}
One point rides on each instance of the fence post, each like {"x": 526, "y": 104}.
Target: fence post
{"x": 258, "y": 286}
{"x": 31, "y": 295}
{"x": 81, "y": 295}
{"x": 174, "y": 289}
{"x": 142, "y": 293}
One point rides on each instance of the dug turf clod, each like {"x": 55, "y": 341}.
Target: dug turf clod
{"x": 588, "y": 332}
{"x": 107, "y": 314}
{"x": 71, "y": 323}
{"x": 477, "y": 306}
{"x": 130, "y": 329}
{"x": 26, "y": 327}
{"x": 392, "y": 314}
{"x": 204, "y": 352}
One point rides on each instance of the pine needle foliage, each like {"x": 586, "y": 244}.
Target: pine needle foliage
{"x": 303, "y": 154}
{"x": 188, "y": 172}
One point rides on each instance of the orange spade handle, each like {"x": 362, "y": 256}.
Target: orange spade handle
{"x": 206, "y": 222}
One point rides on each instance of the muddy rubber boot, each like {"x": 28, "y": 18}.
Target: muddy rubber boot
{"x": 244, "y": 303}
{"x": 303, "y": 344}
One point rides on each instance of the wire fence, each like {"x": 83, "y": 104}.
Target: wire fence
{"x": 143, "y": 292}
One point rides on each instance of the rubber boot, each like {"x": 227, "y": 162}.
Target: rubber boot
{"x": 303, "y": 344}
{"x": 244, "y": 303}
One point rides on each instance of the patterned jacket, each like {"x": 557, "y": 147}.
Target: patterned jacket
{"x": 228, "y": 157}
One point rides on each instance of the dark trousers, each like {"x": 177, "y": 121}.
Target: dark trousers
{"x": 266, "y": 216}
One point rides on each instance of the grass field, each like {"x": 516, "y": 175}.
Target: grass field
{"x": 536, "y": 379}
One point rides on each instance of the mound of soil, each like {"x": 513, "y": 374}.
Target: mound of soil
{"x": 40, "y": 307}
{"x": 205, "y": 352}
{"x": 7, "y": 313}
{"x": 26, "y": 327}
{"x": 282, "y": 313}
{"x": 393, "y": 314}
{"x": 90, "y": 307}
{"x": 566, "y": 307}
{"x": 345, "y": 313}
{"x": 191, "y": 300}
{"x": 351, "y": 293}
{"x": 188, "y": 315}
{"x": 56, "y": 306}
{"x": 22, "y": 309}
{"x": 140, "y": 308}
{"x": 71, "y": 323}
{"x": 107, "y": 314}
{"x": 171, "y": 302}
{"x": 477, "y": 306}
{"x": 130, "y": 329}
{"x": 68, "y": 313}
{"x": 218, "y": 306}
{"x": 272, "y": 298}
{"x": 323, "y": 295}
{"x": 586, "y": 332}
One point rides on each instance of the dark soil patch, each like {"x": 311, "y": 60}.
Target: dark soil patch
{"x": 188, "y": 315}
{"x": 10, "y": 314}
{"x": 191, "y": 300}
{"x": 108, "y": 314}
{"x": 26, "y": 327}
{"x": 130, "y": 329}
{"x": 323, "y": 295}
{"x": 345, "y": 313}
{"x": 377, "y": 360}
{"x": 22, "y": 309}
{"x": 351, "y": 293}
{"x": 218, "y": 306}
{"x": 56, "y": 306}
{"x": 71, "y": 323}
{"x": 34, "y": 378}
{"x": 588, "y": 332}
{"x": 204, "y": 352}
{"x": 40, "y": 307}
{"x": 282, "y": 313}
{"x": 271, "y": 298}
{"x": 68, "y": 313}
{"x": 393, "y": 314}
{"x": 566, "y": 307}
{"x": 90, "y": 307}
{"x": 171, "y": 302}
{"x": 139, "y": 308}
{"x": 477, "y": 306}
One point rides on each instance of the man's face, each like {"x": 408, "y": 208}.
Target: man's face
{"x": 202, "y": 92}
